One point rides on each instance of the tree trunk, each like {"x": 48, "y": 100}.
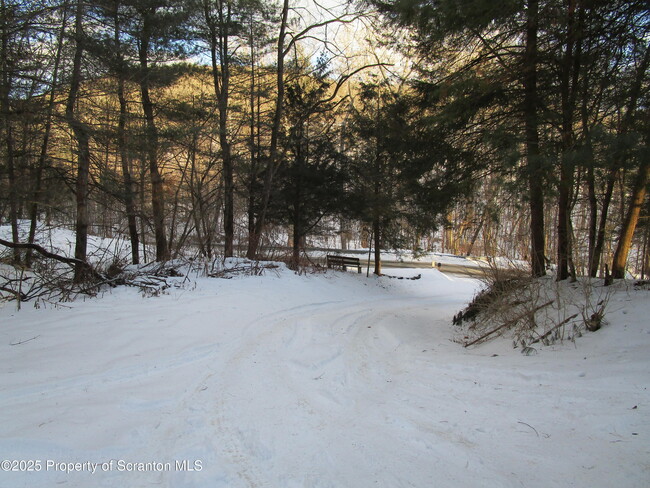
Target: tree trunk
{"x": 295, "y": 249}
{"x": 252, "y": 142}
{"x": 593, "y": 207}
{"x": 376, "y": 230}
{"x": 631, "y": 219}
{"x": 198, "y": 212}
{"x": 638, "y": 194}
{"x": 297, "y": 217}
{"x": 535, "y": 173}
{"x": 272, "y": 162}
{"x": 151, "y": 131}
{"x": 5, "y": 110}
{"x": 570, "y": 63}
{"x": 219, "y": 30}
{"x": 42, "y": 158}
{"x": 343, "y": 232}
{"x": 129, "y": 194}
{"x": 626, "y": 122}
{"x": 602, "y": 225}
{"x": 645, "y": 266}
{"x": 477, "y": 231}
{"x": 82, "y": 135}
{"x": 143, "y": 220}
{"x": 297, "y": 230}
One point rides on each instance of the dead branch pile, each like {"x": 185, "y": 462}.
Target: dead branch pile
{"x": 229, "y": 268}
{"x": 531, "y": 311}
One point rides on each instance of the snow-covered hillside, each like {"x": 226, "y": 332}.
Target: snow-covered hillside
{"x": 326, "y": 380}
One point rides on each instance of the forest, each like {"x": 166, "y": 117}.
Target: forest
{"x": 219, "y": 128}
{"x": 191, "y": 194}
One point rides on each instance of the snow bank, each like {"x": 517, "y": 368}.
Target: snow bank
{"x": 328, "y": 380}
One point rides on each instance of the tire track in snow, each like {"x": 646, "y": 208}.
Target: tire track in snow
{"x": 317, "y": 357}
{"x": 241, "y": 445}
{"x": 110, "y": 376}
{"x": 209, "y": 426}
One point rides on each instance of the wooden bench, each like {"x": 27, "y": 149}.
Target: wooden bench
{"x": 343, "y": 262}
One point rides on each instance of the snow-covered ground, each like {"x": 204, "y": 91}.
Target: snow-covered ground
{"x": 401, "y": 256}
{"x": 101, "y": 251}
{"x": 61, "y": 240}
{"x": 325, "y": 380}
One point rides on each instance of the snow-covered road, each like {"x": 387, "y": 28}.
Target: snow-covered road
{"x": 316, "y": 381}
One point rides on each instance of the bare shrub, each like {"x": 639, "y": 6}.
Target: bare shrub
{"x": 45, "y": 281}
{"x": 531, "y": 310}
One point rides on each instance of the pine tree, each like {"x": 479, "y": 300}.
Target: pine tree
{"x": 405, "y": 174}
{"x": 156, "y": 28}
{"x": 558, "y": 65}
{"x": 310, "y": 183}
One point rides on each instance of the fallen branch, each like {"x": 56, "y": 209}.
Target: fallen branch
{"x": 548, "y": 333}
{"x": 23, "y": 342}
{"x": 528, "y": 425}
{"x": 18, "y": 295}
{"x": 57, "y": 257}
{"x": 509, "y": 322}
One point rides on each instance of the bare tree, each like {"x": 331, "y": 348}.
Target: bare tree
{"x": 287, "y": 40}
{"x": 82, "y": 135}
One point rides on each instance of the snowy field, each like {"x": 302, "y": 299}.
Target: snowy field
{"x": 327, "y": 380}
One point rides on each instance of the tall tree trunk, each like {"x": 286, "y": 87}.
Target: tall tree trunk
{"x": 534, "y": 166}
{"x": 593, "y": 216}
{"x": 297, "y": 217}
{"x": 637, "y": 200}
{"x": 376, "y": 231}
{"x": 219, "y": 31}
{"x": 5, "y": 110}
{"x": 570, "y": 64}
{"x": 272, "y": 163}
{"x": 198, "y": 213}
{"x": 612, "y": 175}
{"x": 228, "y": 170}
{"x": 157, "y": 190}
{"x": 593, "y": 260}
{"x": 378, "y": 192}
{"x": 82, "y": 135}
{"x": 297, "y": 231}
{"x": 645, "y": 266}
{"x": 42, "y": 158}
{"x": 11, "y": 175}
{"x": 619, "y": 160}
{"x": 129, "y": 194}
{"x": 638, "y": 193}
{"x": 229, "y": 194}
{"x": 253, "y": 142}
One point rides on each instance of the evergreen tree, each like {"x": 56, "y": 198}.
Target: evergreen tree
{"x": 310, "y": 183}
{"x": 404, "y": 172}
{"x": 554, "y": 62}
